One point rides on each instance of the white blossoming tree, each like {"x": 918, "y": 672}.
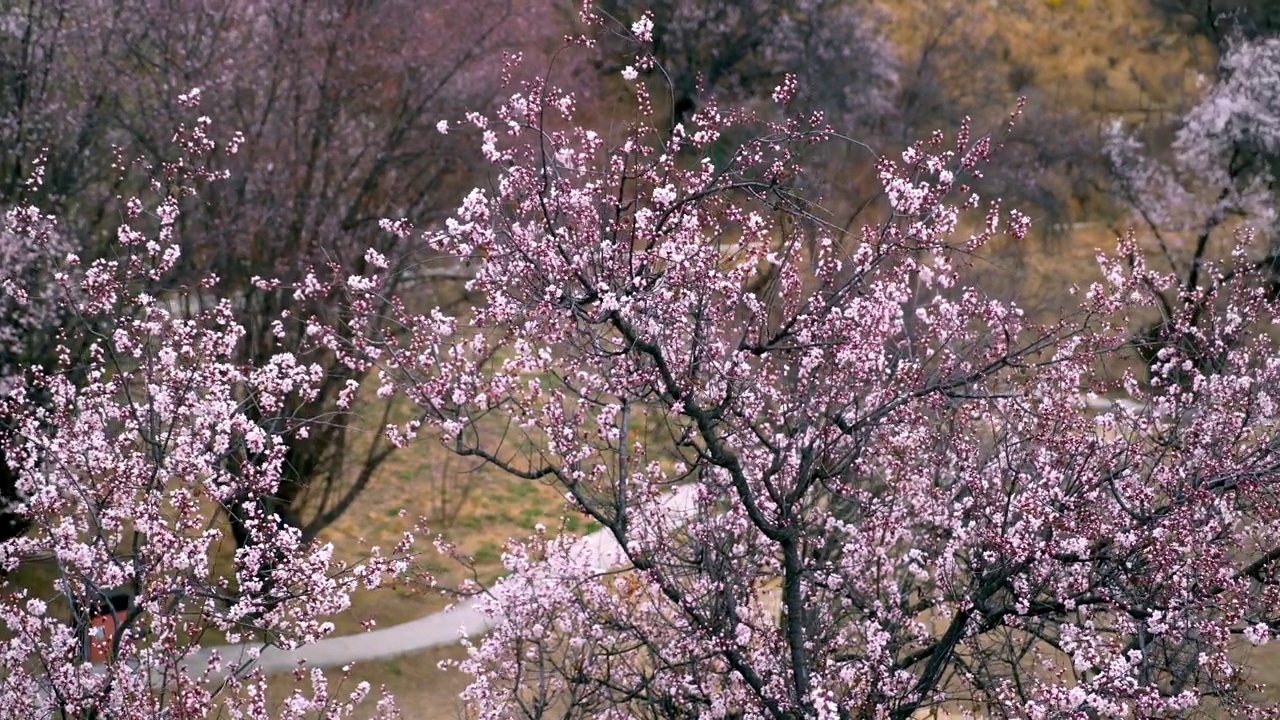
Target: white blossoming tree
{"x": 1221, "y": 177}
{"x": 128, "y": 454}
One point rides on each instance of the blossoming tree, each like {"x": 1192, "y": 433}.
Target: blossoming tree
{"x": 336, "y": 103}
{"x": 129, "y": 453}
{"x": 901, "y": 498}
{"x": 1222, "y": 173}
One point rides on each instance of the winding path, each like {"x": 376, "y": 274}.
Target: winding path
{"x": 446, "y": 627}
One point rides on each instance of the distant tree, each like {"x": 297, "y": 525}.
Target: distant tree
{"x": 1219, "y": 20}
{"x": 1222, "y": 173}
{"x": 737, "y": 52}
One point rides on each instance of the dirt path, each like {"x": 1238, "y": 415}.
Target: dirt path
{"x": 439, "y": 629}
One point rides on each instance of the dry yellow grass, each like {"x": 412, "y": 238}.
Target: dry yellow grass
{"x": 474, "y": 506}
{"x": 1081, "y": 53}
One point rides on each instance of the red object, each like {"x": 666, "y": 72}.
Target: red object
{"x": 111, "y": 610}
